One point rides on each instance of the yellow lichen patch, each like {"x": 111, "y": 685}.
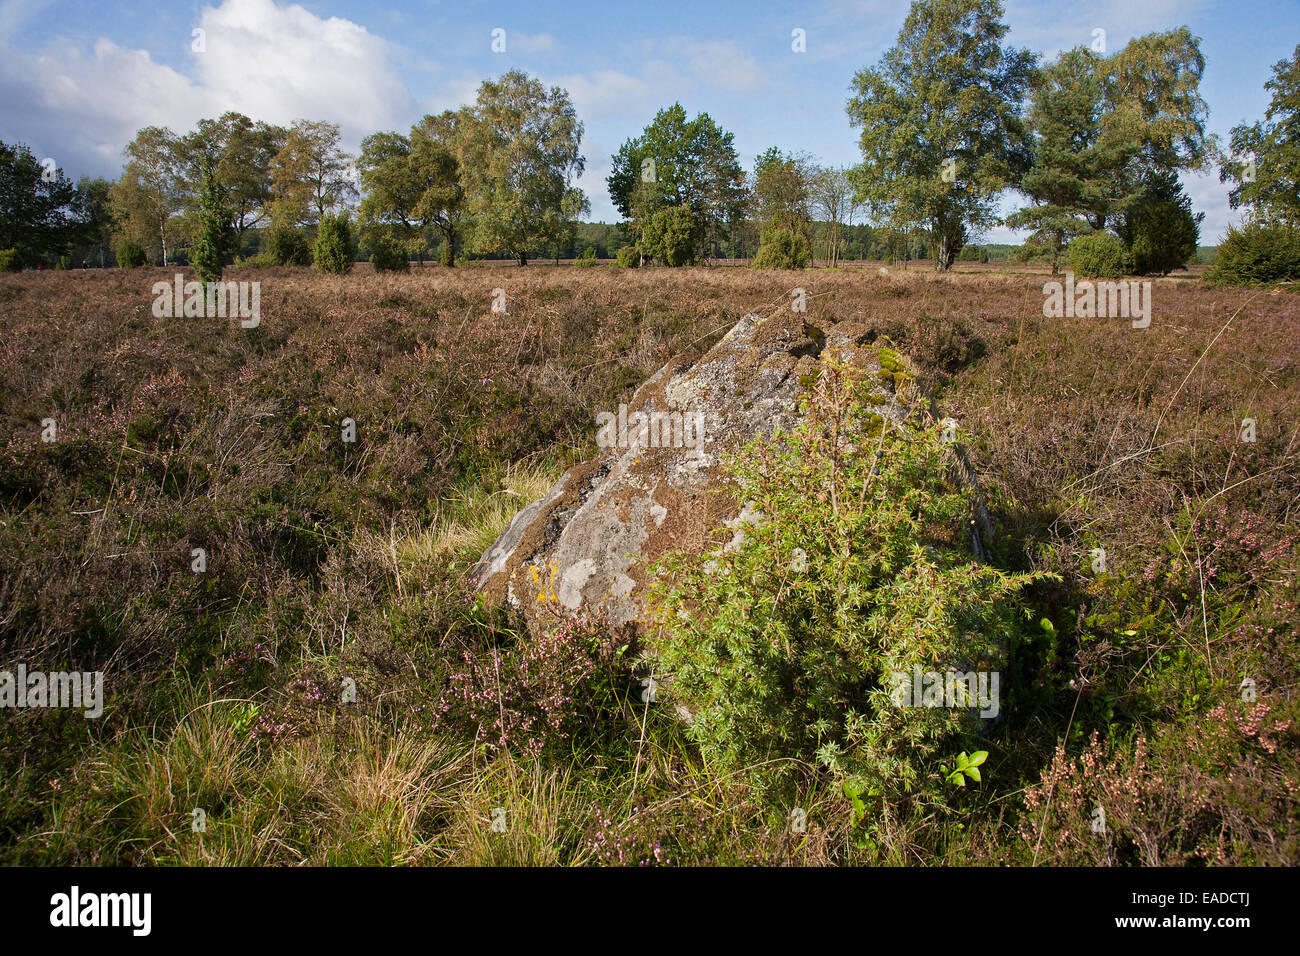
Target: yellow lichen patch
{"x": 547, "y": 591}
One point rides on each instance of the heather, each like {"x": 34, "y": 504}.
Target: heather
{"x": 1159, "y": 688}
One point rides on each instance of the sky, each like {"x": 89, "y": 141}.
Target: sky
{"x": 79, "y": 77}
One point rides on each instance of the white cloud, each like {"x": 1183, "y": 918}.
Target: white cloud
{"x": 718, "y": 63}
{"x": 518, "y": 42}
{"x": 274, "y": 63}
{"x": 284, "y": 63}
{"x": 1051, "y": 28}
{"x": 603, "y": 93}
{"x": 83, "y": 109}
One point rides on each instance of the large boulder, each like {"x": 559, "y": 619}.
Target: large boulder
{"x": 656, "y": 485}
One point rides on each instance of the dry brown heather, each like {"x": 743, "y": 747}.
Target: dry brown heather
{"x": 181, "y": 433}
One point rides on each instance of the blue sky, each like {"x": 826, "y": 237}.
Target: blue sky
{"x": 77, "y": 78}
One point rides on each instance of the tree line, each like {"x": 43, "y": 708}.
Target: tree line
{"x": 951, "y": 120}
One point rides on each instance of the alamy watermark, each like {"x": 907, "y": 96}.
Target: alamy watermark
{"x": 1090, "y": 299}
{"x": 210, "y": 300}
{"x": 666, "y": 429}
{"x": 947, "y": 689}
{"x": 75, "y": 908}
{"x": 23, "y": 689}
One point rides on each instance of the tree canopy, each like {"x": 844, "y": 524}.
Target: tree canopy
{"x": 39, "y": 209}
{"x": 942, "y": 132}
{"x": 521, "y": 148}
{"x": 677, "y": 162}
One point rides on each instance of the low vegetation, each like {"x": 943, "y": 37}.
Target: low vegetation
{"x": 1153, "y": 684}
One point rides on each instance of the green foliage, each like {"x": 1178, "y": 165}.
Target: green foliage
{"x": 238, "y": 153}
{"x": 680, "y": 162}
{"x": 262, "y": 260}
{"x": 216, "y": 238}
{"x": 1159, "y": 230}
{"x": 95, "y": 233}
{"x": 309, "y": 174}
{"x": 387, "y": 253}
{"x": 1152, "y": 96}
{"x": 965, "y": 766}
{"x": 588, "y": 258}
{"x": 10, "y": 261}
{"x": 783, "y": 190}
{"x": 784, "y": 648}
{"x": 973, "y": 254}
{"x": 671, "y": 236}
{"x": 413, "y": 183}
{"x": 628, "y": 257}
{"x": 287, "y": 246}
{"x": 942, "y": 134}
{"x": 782, "y": 248}
{"x": 37, "y": 205}
{"x": 1257, "y": 254}
{"x": 130, "y": 255}
{"x": 521, "y": 154}
{"x": 1103, "y": 127}
{"x": 1097, "y": 256}
{"x": 333, "y": 252}
{"x": 1072, "y": 180}
{"x": 152, "y": 189}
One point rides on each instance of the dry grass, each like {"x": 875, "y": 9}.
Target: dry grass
{"x": 467, "y": 524}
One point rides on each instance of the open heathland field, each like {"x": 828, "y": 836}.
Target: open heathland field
{"x": 1161, "y": 688}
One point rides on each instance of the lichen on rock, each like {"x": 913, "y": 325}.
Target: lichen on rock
{"x": 588, "y": 541}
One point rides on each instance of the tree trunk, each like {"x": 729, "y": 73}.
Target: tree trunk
{"x": 449, "y": 241}
{"x": 523, "y": 258}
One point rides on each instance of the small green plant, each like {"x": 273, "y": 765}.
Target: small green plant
{"x": 781, "y": 248}
{"x": 10, "y": 261}
{"x": 262, "y": 260}
{"x": 966, "y": 766}
{"x": 333, "y": 252}
{"x": 1097, "y": 256}
{"x": 130, "y": 255}
{"x": 287, "y": 246}
{"x": 628, "y": 257}
{"x": 588, "y": 258}
{"x": 216, "y": 240}
{"x": 786, "y": 649}
{"x": 671, "y": 236}
{"x": 243, "y": 717}
{"x": 1257, "y": 254}
{"x": 855, "y": 792}
{"x": 387, "y": 253}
